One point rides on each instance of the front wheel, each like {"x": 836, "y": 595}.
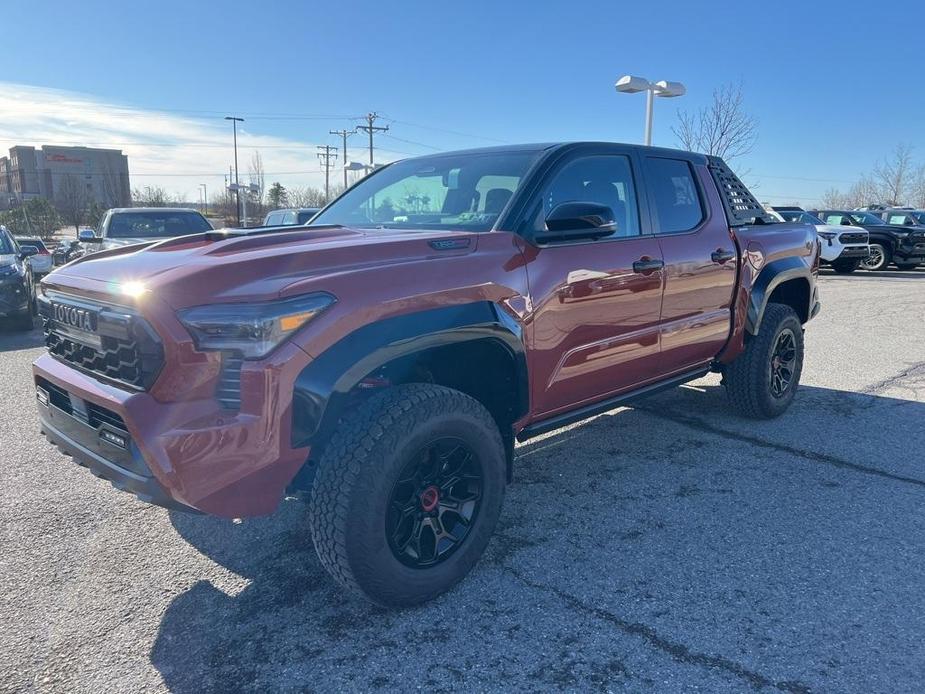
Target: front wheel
{"x": 407, "y": 494}
{"x": 879, "y": 258}
{"x": 846, "y": 266}
{"x": 762, "y": 381}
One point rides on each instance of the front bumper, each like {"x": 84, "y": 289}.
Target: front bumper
{"x": 189, "y": 455}
{"x": 855, "y": 252}
{"x": 14, "y": 297}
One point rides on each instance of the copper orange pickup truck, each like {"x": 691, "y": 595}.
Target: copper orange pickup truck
{"x": 381, "y": 362}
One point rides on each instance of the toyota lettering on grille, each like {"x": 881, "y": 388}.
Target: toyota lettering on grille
{"x": 74, "y": 317}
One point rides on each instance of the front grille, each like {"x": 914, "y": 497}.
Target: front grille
{"x": 129, "y": 351}
{"x": 99, "y": 415}
{"x": 57, "y": 396}
{"x": 228, "y": 390}
{"x": 853, "y": 238}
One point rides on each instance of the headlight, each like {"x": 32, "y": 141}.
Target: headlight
{"x": 827, "y": 235}
{"x": 254, "y": 330}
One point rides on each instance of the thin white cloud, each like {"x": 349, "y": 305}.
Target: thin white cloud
{"x": 165, "y": 149}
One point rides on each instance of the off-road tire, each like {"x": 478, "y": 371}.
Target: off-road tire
{"x": 846, "y": 266}
{"x": 883, "y": 256}
{"x": 357, "y": 473}
{"x": 748, "y": 378}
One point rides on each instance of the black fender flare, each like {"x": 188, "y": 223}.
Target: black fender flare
{"x": 321, "y": 390}
{"x": 769, "y": 278}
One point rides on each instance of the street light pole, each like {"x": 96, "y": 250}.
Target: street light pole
{"x": 205, "y": 198}
{"x": 629, "y": 84}
{"x": 237, "y": 194}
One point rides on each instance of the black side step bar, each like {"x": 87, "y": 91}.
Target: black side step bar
{"x": 588, "y": 411}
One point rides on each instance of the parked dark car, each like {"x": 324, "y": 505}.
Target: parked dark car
{"x": 67, "y": 251}
{"x": 382, "y": 361}
{"x": 290, "y": 217}
{"x": 17, "y": 284}
{"x": 903, "y": 245}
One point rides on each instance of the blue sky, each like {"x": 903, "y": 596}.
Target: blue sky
{"x": 832, "y": 88}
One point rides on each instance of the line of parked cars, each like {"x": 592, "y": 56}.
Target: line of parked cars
{"x": 870, "y": 239}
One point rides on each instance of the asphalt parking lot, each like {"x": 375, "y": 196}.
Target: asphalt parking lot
{"x": 667, "y": 547}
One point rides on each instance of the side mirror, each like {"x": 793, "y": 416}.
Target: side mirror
{"x": 27, "y": 252}
{"x": 88, "y": 236}
{"x": 572, "y": 221}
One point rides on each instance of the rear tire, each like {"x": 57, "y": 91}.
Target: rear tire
{"x": 763, "y": 380}
{"x": 879, "y": 258}
{"x": 846, "y": 266}
{"x": 386, "y": 517}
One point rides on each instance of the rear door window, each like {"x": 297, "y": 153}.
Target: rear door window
{"x": 674, "y": 194}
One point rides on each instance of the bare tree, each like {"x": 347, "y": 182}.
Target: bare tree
{"x": 723, "y": 128}
{"x": 306, "y": 197}
{"x": 894, "y": 175}
{"x": 114, "y": 187}
{"x": 256, "y": 174}
{"x": 72, "y": 200}
{"x": 151, "y": 196}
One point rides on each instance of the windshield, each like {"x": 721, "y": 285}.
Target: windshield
{"x": 919, "y": 216}
{"x": 800, "y": 217}
{"x": 867, "y": 218}
{"x": 152, "y": 225}
{"x": 464, "y": 192}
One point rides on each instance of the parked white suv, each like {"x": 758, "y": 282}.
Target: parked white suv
{"x": 842, "y": 247}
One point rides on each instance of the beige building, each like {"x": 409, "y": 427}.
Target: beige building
{"x": 51, "y": 172}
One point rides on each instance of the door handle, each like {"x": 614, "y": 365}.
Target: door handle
{"x": 646, "y": 265}
{"x": 721, "y": 255}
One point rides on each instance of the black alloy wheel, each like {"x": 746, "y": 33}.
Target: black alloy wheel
{"x": 434, "y": 503}
{"x": 783, "y": 363}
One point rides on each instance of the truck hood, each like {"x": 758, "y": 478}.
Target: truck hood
{"x": 230, "y": 265}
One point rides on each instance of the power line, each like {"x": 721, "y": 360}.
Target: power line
{"x": 412, "y": 142}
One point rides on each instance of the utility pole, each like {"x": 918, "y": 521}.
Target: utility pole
{"x": 344, "y": 134}
{"x": 369, "y": 128}
{"x": 327, "y": 157}
{"x": 237, "y": 195}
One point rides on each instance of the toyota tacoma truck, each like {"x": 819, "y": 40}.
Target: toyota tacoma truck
{"x": 382, "y": 361}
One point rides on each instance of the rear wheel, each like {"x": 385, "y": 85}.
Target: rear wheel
{"x": 845, "y": 266}
{"x": 879, "y": 258}
{"x": 762, "y": 381}
{"x": 408, "y": 493}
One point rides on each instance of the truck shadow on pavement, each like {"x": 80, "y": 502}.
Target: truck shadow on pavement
{"x": 12, "y": 340}
{"x": 666, "y": 546}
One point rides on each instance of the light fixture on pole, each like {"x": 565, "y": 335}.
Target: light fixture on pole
{"x": 630, "y": 84}
{"x": 237, "y": 198}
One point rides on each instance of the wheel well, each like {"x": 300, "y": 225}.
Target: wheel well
{"x": 484, "y": 369}
{"x": 795, "y": 294}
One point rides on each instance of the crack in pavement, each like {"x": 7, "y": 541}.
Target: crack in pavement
{"x": 699, "y": 424}
{"x": 878, "y": 387}
{"x": 677, "y": 651}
